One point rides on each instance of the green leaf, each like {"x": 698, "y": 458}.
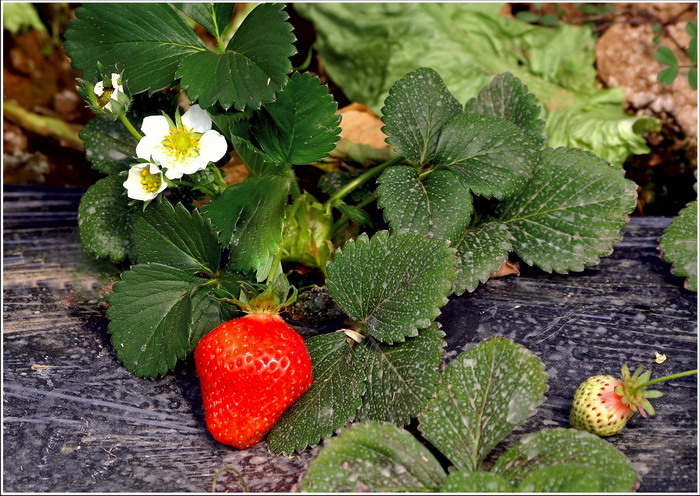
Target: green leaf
{"x": 357, "y": 215}
{"x": 307, "y": 231}
{"x": 527, "y": 16}
{"x": 564, "y": 478}
{"x": 392, "y": 285}
{"x": 301, "y": 125}
{"x": 418, "y": 106}
{"x": 666, "y": 56}
{"x": 693, "y": 50}
{"x": 207, "y": 314}
{"x": 490, "y": 155}
{"x": 374, "y": 457}
{"x": 332, "y": 400}
{"x": 151, "y": 318}
{"x": 480, "y": 251}
{"x": 679, "y": 244}
{"x": 668, "y": 75}
{"x": 176, "y": 237}
{"x": 691, "y": 28}
{"x": 18, "y": 16}
{"x": 109, "y": 147}
{"x": 476, "y": 482}
{"x": 251, "y": 70}
{"x": 365, "y": 48}
{"x": 437, "y": 204}
{"x": 333, "y": 181}
{"x": 551, "y": 447}
{"x": 485, "y": 394}
{"x": 104, "y": 218}
{"x": 508, "y": 98}
{"x": 214, "y": 17}
{"x": 257, "y": 162}
{"x": 571, "y": 211}
{"x": 249, "y": 217}
{"x": 693, "y": 78}
{"x": 145, "y": 40}
{"x": 400, "y": 377}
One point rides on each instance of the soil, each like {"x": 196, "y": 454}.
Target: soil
{"x": 38, "y": 77}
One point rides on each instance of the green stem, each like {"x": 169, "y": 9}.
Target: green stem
{"x": 132, "y": 129}
{"x": 360, "y": 180}
{"x": 665, "y": 378}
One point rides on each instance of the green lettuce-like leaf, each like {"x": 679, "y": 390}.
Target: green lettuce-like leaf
{"x": 480, "y": 251}
{"x": 417, "y": 107}
{"x": 214, "y": 17}
{"x": 485, "y": 393}
{"x": 552, "y": 447}
{"x": 564, "y": 478}
{"x": 109, "y": 147}
{"x": 176, "y": 237}
{"x": 365, "y": 48}
{"x": 249, "y": 217}
{"x": 400, "y": 377}
{"x": 105, "y": 220}
{"x": 151, "y": 318}
{"x": 679, "y": 244}
{"x": 251, "y": 70}
{"x": 374, "y": 457}
{"x": 332, "y": 400}
{"x": 145, "y": 40}
{"x": 571, "y": 211}
{"x": 301, "y": 125}
{"x": 438, "y": 204}
{"x": 508, "y": 98}
{"x": 392, "y": 285}
{"x": 490, "y": 155}
{"x": 476, "y": 482}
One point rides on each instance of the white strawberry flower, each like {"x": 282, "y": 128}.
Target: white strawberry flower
{"x": 110, "y": 93}
{"x": 145, "y": 182}
{"x": 182, "y": 148}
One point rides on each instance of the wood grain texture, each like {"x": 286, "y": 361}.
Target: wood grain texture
{"x": 75, "y": 420}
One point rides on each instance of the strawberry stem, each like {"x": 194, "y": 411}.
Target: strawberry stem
{"x": 644, "y": 385}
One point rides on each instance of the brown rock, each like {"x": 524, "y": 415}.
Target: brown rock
{"x": 625, "y": 58}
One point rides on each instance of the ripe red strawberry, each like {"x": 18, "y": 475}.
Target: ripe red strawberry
{"x": 603, "y": 404}
{"x": 250, "y": 370}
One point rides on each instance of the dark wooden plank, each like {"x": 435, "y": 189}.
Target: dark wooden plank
{"x": 75, "y": 420}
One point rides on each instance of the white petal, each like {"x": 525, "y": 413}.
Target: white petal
{"x": 116, "y": 80}
{"x": 134, "y": 189}
{"x": 153, "y": 168}
{"x": 108, "y": 106}
{"x": 197, "y": 119}
{"x": 99, "y": 88}
{"x": 155, "y": 126}
{"x": 212, "y": 146}
{"x": 147, "y": 147}
{"x": 115, "y": 94}
{"x": 193, "y": 165}
{"x": 173, "y": 173}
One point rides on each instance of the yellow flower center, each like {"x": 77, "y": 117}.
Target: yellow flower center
{"x": 103, "y": 99}
{"x": 182, "y": 143}
{"x": 150, "y": 182}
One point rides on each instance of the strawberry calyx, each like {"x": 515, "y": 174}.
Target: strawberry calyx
{"x": 633, "y": 388}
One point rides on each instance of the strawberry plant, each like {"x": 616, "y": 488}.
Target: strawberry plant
{"x": 484, "y": 394}
{"x": 469, "y": 184}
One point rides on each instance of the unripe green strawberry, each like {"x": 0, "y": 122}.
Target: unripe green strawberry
{"x": 603, "y": 404}
{"x": 250, "y": 370}
{"x": 597, "y": 408}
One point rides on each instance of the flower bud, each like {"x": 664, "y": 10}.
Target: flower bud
{"x": 106, "y": 97}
